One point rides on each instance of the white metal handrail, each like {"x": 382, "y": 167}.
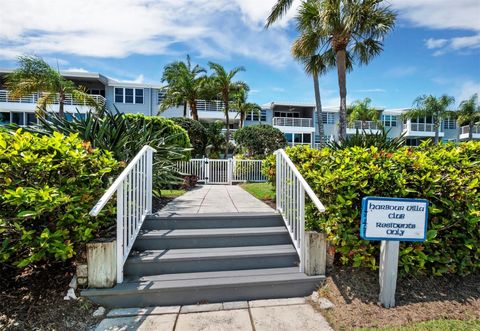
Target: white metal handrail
{"x": 290, "y": 196}
{"x": 134, "y": 202}
{"x": 466, "y": 129}
{"x": 5, "y": 96}
{"x": 292, "y": 121}
{"x": 210, "y": 105}
{"x": 365, "y": 125}
{"x": 421, "y": 127}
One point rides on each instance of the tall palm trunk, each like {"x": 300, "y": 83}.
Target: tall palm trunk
{"x": 318, "y": 104}
{"x": 470, "y": 130}
{"x": 61, "y": 104}
{"x": 227, "y": 119}
{"x": 242, "y": 119}
{"x": 193, "y": 109}
{"x": 436, "y": 127}
{"x": 342, "y": 84}
{"x": 185, "y": 109}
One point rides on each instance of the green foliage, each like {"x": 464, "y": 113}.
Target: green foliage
{"x": 196, "y": 132}
{"x": 448, "y": 175}
{"x": 379, "y": 140}
{"x": 215, "y": 139}
{"x": 258, "y": 141}
{"x": 47, "y": 186}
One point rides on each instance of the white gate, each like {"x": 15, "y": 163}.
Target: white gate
{"x": 217, "y": 171}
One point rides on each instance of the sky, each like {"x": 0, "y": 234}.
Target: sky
{"x": 434, "y": 48}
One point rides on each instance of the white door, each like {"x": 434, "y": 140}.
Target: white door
{"x": 219, "y": 172}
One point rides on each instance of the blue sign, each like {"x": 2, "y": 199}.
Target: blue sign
{"x": 394, "y": 219}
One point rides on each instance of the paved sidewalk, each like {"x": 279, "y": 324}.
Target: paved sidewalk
{"x": 216, "y": 199}
{"x": 259, "y": 315}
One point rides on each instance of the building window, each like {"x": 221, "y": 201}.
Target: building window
{"x": 389, "y": 120}
{"x": 4, "y": 118}
{"x": 254, "y": 116}
{"x": 160, "y": 96}
{"x": 286, "y": 114}
{"x": 128, "y": 95}
{"x": 17, "y": 118}
{"x": 31, "y": 118}
{"x": 298, "y": 138}
{"x": 449, "y": 124}
{"x": 328, "y": 118}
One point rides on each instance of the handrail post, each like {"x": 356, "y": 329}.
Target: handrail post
{"x": 120, "y": 233}
{"x": 149, "y": 180}
{"x": 277, "y": 181}
{"x": 302, "y": 229}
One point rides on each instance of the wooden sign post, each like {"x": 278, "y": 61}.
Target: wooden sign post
{"x": 392, "y": 220}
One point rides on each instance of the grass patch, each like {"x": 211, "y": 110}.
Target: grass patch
{"x": 171, "y": 193}
{"x": 435, "y": 325}
{"x": 261, "y": 191}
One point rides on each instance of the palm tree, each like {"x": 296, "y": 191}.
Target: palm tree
{"x": 360, "y": 110}
{"x": 431, "y": 106}
{"x": 223, "y": 83}
{"x": 469, "y": 112}
{"x": 185, "y": 86}
{"x": 345, "y": 30}
{"x": 34, "y": 75}
{"x": 242, "y": 107}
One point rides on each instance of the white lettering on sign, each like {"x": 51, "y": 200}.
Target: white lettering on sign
{"x": 394, "y": 219}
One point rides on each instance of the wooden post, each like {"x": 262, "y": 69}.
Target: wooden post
{"x": 102, "y": 264}
{"x": 315, "y": 253}
{"x": 388, "y": 272}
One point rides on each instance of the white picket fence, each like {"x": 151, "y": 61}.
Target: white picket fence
{"x": 218, "y": 171}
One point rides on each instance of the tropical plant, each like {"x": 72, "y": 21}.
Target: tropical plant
{"x": 360, "y": 110}
{"x": 242, "y": 106}
{"x": 469, "y": 113}
{"x": 258, "y": 141}
{"x": 197, "y": 134}
{"x": 341, "y": 31}
{"x": 448, "y": 175}
{"x": 431, "y": 106}
{"x": 124, "y": 135}
{"x": 380, "y": 140}
{"x": 226, "y": 87}
{"x": 185, "y": 86}
{"x": 34, "y": 75}
{"x": 215, "y": 139}
{"x": 47, "y": 187}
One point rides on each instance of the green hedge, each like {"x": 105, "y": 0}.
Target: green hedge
{"x": 448, "y": 175}
{"x": 48, "y": 184}
{"x": 258, "y": 141}
{"x": 197, "y": 134}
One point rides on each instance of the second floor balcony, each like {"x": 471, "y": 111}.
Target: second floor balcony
{"x": 363, "y": 127}
{"x": 414, "y": 129}
{"x": 465, "y": 132}
{"x": 293, "y": 122}
{"x": 29, "y": 102}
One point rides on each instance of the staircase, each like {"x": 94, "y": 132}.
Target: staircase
{"x": 205, "y": 258}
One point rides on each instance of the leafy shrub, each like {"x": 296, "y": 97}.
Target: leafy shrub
{"x": 197, "y": 134}
{"x": 258, "y": 141}
{"x": 379, "y": 140}
{"x": 48, "y": 184}
{"x": 448, "y": 175}
{"x": 124, "y": 135}
{"x": 215, "y": 139}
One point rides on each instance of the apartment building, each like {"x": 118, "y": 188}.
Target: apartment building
{"x": 298, "y": 121}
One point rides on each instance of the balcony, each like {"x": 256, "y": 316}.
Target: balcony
{"x": 363, "y": 127}
{"x": 214, "y": 110}
{"x": 293, "y": 124}
{"x": 28, "y": 102}
{"x": 420, "y": 130}
{"x": 465, "y": 130}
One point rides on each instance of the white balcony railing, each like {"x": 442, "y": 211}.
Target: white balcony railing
{"x": 293, "y": 121}
{"x": 5, "y": 96}
{"x": 420, "y": 127}
{"x": 466, "y": 129}
{"x": 363, "y": 125}
{"x": 214, "y": 105}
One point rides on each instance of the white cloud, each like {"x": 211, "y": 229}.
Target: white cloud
{"x": 140, "y": 79}
{"x": 444, "y": 14}
{"x": 118, "y": 28}
{"x": 466, "y": 90}
{"x": 76, "y": 70}
{"x": 371, "y": 90}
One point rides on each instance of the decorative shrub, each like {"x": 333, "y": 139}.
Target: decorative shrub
{"x": 448, "y": 175}
{"x": 197, "y": 134}
{"x": 215, "y": 139}
{"x": 258, "y": 141}
{"x": 48, "y": 184}
{"x": 361, "y": 139}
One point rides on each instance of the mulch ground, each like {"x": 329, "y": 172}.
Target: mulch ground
{"x": 33, "y": 300}
{"x": 355, "y": 292}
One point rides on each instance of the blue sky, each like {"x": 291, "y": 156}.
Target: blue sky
{"x": 434, "y": 49}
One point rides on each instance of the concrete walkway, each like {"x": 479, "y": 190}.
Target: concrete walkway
{"x": 259, "y": 315}
{"x": 216, "y": 199}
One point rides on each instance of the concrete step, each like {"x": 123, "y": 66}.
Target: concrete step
{"x": 206, "y": 221}
{"x": 192, "y": 288}
{"x": 213, "y": 237}
{"x": 154, "y": 262}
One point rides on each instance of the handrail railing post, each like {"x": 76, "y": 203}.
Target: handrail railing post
{"x": 149, "y": 180}
{"x": 302, "y": 229}
{"x": 120, "y": 234}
